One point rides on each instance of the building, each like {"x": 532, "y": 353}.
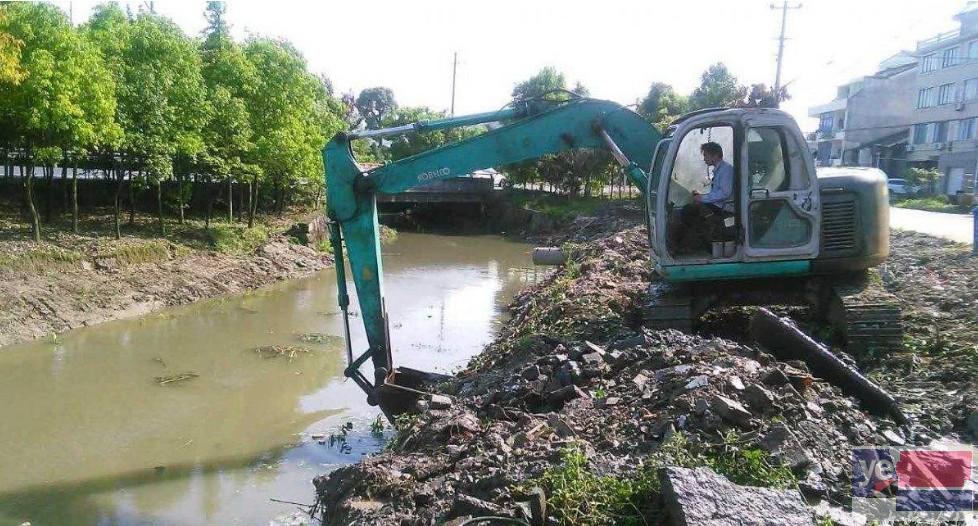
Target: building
{"x": 868, "y": 121}
{"x": 943, "y": 133}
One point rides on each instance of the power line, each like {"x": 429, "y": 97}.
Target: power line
{"x": 784, "y": 22}
{"x": 454, "y": 69}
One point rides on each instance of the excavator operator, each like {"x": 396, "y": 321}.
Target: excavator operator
{"x": 702, "y": 218}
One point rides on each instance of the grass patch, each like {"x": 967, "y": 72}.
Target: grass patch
{"x": 933, "y": 203}
{"x": 237, "y": 239}
{"x": 42, "y": 259}
{"x": 141, "y": 253}
{"x": 560, "y": 207}
{"x": 576, "y": 495}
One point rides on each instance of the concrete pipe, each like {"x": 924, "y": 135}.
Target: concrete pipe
{"x": 548, "y": 256}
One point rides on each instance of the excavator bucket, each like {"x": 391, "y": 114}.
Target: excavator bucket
{"x": 402, "y": 390}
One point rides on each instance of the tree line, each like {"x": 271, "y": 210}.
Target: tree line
{"x": 134, "y": 97}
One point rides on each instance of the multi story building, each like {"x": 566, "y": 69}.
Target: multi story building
{"x": 867, "y": 122}
{"x": 944, "y": 132}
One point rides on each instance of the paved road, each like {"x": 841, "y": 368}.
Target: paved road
{"x": 956, "y": 227}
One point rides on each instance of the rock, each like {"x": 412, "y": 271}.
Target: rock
{"x": 595, "y": 348}
{"x": 630, "y": 342}
{"x": 735, "y": 383}
{"x": 700, "y": 497}
{"x": 758, "y": 397}
{"x": 640, "y": 380}
{"x": 538, "y": 506}
{"x": 592, "y": 359}
{"x": 972, "y": 424}
{"x": 611, "y": 401}
{"x": 568, "y": 374}
{"x": 467, "y": 505}
{"x": 731, "y": 410}
{"x": 774, "y": 377}
{"x": 568, "y": 392}
{"x": 697, "y": 381}
{"x": 701, "y": 406}
{"x": 560, "y": 427}
{"x": 776, "y": 438}
{"x": 531, "y": 373}
{"x": 438, "y": 401}
{"x": 894, "y": 437}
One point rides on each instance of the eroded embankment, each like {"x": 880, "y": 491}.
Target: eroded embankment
{"x": 576, "y": 408}
{"x": 96, "y": 289}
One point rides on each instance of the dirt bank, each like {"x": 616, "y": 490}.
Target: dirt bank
{"x": 569, "y": 416}
{"x": 48, "y": 290}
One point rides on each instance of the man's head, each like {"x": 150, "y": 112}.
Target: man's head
{"x": 712, "y": 153}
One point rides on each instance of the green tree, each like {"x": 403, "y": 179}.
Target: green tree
{"x": 284, "y": 113}
{"x": 548, "y": 84}
{"x": 65, "y": 101}
{"x": 374, "y": 105}
{"x": 162, "y": 99}
{"x": 230, "y": 79}
{"x": 718, "y": 89}
{"x": 415, "y": 143}
{"x": 662, "y": 105}
{"x": 760, "y": 96}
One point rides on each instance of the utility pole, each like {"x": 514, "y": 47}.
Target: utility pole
{"x": 454, "y": 69}
{"x": 784, "y": 7}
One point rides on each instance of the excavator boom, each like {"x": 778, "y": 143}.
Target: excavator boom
{"x": 532, "y": 130}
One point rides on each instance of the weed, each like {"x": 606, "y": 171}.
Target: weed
{"x": 141, "y": 253}
{"x": 377, "y": 427}
{"x": 237, "y": 239}
{"x": 600, "y": 393}
{"x": 578, "y": 496}
{"x": 42, "y": 259}
{"x": 340, "y": 439}
{"x": 324, "y": 246}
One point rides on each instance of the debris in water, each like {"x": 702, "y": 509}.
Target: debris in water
{"x": 280, "y": 351}
{"x": 315, "y": 337}
{"x": 163, "y": 380}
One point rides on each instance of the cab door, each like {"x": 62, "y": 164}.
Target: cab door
{"x": 780, "y": 211}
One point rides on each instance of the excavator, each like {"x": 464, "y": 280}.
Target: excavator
{"x": 794, "y": 238}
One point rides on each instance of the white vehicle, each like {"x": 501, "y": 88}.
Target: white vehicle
{"x": 900, "y": 187}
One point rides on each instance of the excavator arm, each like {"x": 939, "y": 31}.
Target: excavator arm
{"x": 532, "y": 131}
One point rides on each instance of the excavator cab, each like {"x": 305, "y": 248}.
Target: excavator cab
{"x": 774, "y": 224}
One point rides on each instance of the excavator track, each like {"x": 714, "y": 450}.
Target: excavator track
{"x": 866, "y": 316}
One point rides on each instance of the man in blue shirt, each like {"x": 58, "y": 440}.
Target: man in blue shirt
{"x": 703, "y": 218}
{"x": 721, "y": 193}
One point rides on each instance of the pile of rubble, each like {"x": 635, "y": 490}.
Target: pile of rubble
{"x": 574, "y": 371}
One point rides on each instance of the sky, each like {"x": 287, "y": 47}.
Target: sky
{"x": 616, "y": 48}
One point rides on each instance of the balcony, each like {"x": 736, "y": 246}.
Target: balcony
{"x": 829, "y": 135}
{"x": 938, "y": 39}
{"x": 835, "y": 105}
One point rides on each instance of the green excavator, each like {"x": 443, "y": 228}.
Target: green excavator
{"x": 791, "y": 236}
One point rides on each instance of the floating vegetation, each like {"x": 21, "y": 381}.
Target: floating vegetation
{"x": 179, "y": 377}
{"x": 280, "y": 351}
{"x": 315, "y": 337}
{"x": 377, "y": 427}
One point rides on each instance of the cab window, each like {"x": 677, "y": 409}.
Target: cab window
{"x": 689, "y": 172}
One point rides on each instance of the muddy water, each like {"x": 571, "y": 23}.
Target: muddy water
{"x": 89, "y": 436}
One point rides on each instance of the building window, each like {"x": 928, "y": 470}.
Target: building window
{"x": 966, "y": 129}
{"x": 940, "y": 131}
{"x": 945, "y": 94}
{"x": 825, "y": 123}
{"x": 973, "y": 51}
{"x": 929, "y": 63}
{"x": 925, "y": 98}
{"x": 920, "y": 133}
{"x": 971, "y": 88}
{"x": 950, "y": 57}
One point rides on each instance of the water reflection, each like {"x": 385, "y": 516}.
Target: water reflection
{"x": 90, "y": 437}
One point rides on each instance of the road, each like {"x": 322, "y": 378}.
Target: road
{"x": 955, "y": 227}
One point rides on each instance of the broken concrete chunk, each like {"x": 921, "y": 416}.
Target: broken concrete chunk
{"x": 592, "y": 359}
{"x": 438, "y": 401}
{"x": 561, "y": 427}
{"x": 568, "y": 392}
{"x": 640, "y": 380}
{"x": 700, "y": 497}
{"x": 758, "y": 397}
{"x": 735, "y": 383}
{"x": 776, "y": 438}
{"x": 595, "y": 348}
{"x": 731, "y": 410}
{"x": 697, "y": 381}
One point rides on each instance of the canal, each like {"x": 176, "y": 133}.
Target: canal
{"x": 93, "y": 434}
